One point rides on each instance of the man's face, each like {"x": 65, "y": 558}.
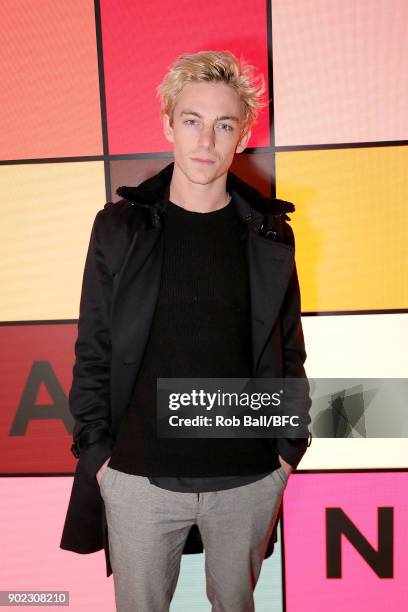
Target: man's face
{"x": 207, "y": 124}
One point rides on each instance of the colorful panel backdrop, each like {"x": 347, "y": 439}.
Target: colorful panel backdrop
{"x": 79, "y": 117}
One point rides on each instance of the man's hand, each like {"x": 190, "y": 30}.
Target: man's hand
{"x": 286, "y": 466}
{"x": 101, "y": 470}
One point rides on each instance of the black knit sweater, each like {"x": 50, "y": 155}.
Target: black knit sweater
{"x": 201, "y": 328}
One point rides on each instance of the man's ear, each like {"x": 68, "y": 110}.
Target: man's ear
{"x": 167, "y": 128}
{"x": 243, "y": 142}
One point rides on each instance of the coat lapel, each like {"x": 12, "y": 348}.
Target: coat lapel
{"x": 270, "y": 266}
{"x": 135, "y": 295}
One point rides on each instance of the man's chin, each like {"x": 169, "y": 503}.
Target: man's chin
{"x": 199, "y": 173}
{"x": 201, "y": 176}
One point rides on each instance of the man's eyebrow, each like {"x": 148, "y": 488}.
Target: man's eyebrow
{"x": 223, "y": 118}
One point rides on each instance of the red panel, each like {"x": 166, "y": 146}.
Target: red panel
{"x": 141, "y": 40}
{"x": 35, "y": 377}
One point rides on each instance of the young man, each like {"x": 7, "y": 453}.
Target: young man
{"x": 182, "y": 280}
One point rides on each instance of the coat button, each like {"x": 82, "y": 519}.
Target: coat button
{"x": 270, "y": 234}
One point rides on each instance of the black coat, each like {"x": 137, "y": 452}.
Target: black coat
{"x": 119, "y": 292}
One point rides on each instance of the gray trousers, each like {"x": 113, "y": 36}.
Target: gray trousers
{"x": 148, "y": 527}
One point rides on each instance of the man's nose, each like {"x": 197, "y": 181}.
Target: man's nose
{"x": 206, "y": 137}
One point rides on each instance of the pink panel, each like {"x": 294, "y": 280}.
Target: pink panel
{"x": 140, "y": 41}
{"x": 358, "y": 495}
{"x": 32, "y": 514}
{"x": 339, "y": 69}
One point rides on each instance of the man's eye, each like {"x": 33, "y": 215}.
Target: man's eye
{"x": 225, "y": 126}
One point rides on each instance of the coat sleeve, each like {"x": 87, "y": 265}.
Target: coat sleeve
{"x": 89, "y": 396}
{"x": 293, "y": 449}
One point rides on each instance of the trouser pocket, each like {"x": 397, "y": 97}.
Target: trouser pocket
{"x": 282, "y": 475}
{"x": 105, "y": 477}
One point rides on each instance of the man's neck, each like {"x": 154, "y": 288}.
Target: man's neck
{"x": 197, "y": 197}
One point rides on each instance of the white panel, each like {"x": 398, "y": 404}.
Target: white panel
{"x": 367, "y": 346}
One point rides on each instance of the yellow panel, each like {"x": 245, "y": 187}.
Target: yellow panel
{"x": 47, "y": 212}
{"x": 350, "y": 224}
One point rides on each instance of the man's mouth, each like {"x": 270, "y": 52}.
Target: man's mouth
{"x": 203, "y": 161}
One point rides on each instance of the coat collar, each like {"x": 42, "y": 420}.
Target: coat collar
{"x": 153, "y": 194}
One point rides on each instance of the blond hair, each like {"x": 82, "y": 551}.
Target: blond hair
{"x": 214, "y": 66}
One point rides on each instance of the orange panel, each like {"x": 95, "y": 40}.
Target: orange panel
{"x": 49, "y": 97}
